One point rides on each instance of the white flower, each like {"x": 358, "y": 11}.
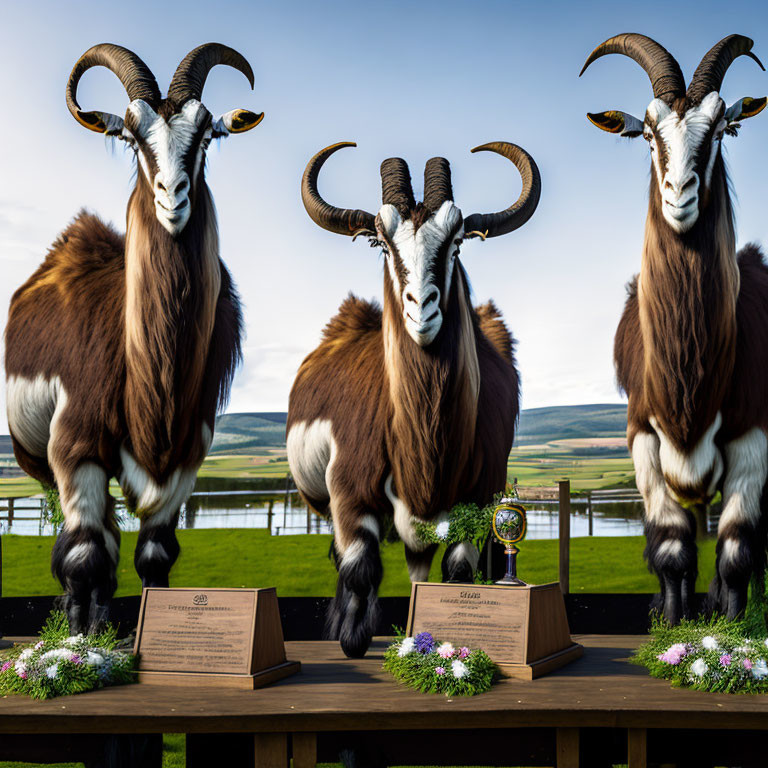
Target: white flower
{"x": 459, "y": 668}
{"x": 441, "y": 530}
{"x": 58, "y": 653}
{"x": 94, "y": 659}
{"x": 445, "y": 650}
{"x": 766, "y": 642}
{"x": 73, "y": 639}
{"x": 25, "y": 654}
{"x": 760, "y": 669}
{"x": 52, "y": 671}
{"x": 699, "y": 668}
{"x": 20, "y": 667}
{"x": 408, "y": 645}
{"x": 710, "y": 643}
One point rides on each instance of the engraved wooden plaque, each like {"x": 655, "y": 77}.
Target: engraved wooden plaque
{"x": 523, "y": 629}
{"x": 230, "y": 637}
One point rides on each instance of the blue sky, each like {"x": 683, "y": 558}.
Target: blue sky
{"x": 402, "y": 79}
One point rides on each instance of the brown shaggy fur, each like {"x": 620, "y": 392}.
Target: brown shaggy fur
{"x": 675, "y": 345}
{"x": 442, "y": 456}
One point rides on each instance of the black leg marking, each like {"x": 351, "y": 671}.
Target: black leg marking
{"x": 81, "y": 562}
{"x": 459, "y": 563}
{"x": 354, "y": 613}
{"x": 670, "y": 552}
{"x": 419, "y": 562}
{"x": 156, "y": 551}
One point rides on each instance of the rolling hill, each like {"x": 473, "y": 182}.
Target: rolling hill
{"x": 244, "y": 432}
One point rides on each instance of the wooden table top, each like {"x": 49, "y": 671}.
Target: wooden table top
{"x": 333, "y": 693}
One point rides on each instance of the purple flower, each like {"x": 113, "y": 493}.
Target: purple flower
{"x": 6, "y": 666}
{"x": 747, "y": 664}
{"x": 23, "y": 675}
{"x": 75, "y": 659}
{"x": 425, "y": 643}
{"x": 39, "y": 645}
{"x": 725, "y": 660}
{"x": 464, "y": 652}
{"x": 673, "y": 654}
{"x": 439, "y": 670}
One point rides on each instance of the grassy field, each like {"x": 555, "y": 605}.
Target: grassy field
{"x": 299, "y": 565}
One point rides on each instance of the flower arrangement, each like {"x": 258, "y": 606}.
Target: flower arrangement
{"x": 60, "y": 664}
{"x": 423, "y": 663}
{"x": 708, "y": 655}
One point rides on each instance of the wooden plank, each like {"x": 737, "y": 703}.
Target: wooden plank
{"x": 567, "y": 748}
{"x": 334, "y": 693}
{"x": 637, "y": 749}
{"x": 270, "y": 750}
{"x": 564, "y": 510}
{"x": 304, "y": 747}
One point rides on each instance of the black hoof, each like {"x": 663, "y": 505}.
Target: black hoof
{"x": 355, "y": 647}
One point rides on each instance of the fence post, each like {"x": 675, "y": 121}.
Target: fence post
{"x": 287, "y": 497}
{"x": 565, "y": 534}
{"x": 269, "y": 516}
{"x": 589, "y": 511}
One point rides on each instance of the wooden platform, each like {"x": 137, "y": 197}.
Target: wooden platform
{"x": 335, "y": 702}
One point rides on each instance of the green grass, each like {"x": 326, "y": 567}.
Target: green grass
{"x": 299, "y": 565}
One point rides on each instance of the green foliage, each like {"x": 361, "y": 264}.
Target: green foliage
{"x": 462, "y": 673}
{"x": 52, "y": 509}
{"x": 61, "y": 665}
{"x": 466, "y": 522}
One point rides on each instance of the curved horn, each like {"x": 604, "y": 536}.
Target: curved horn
{"x": 437, "y": 183}
{"x": 709, "y": 74}
{"x": 189, "y": 78}
{"x": 666, "y": 76}
{"x": 495, "y": 224}
{"x": 134, "y": 74}
{"x": 396, "y": 186}
{"x": 343, "y": 221}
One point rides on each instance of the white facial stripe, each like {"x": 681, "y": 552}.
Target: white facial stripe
{"x": 423, "y": 301}
{"x": 169, "y": 142}
{"x": 682, "y": 139}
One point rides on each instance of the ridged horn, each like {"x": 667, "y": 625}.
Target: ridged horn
{"x": 503, "y": 222}
{"x": 709, "y": 74}
{"x": 189, "y": 78}
{"x": 134, "y": 74}
{"x": 437, "y": 183}
{"x": 396, "y": 186}
{"x": 343, "y": 221}
{"x": 659, "y": 64}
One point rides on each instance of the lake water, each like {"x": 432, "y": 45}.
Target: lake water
{"x": 248, "y": 509}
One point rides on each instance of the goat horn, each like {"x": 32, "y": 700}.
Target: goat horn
{"x": 437, "y": 183}
{"x": 666, "y": 76}
{"x": 343, "y": 221}
{"x": 396, "y": 186}
{"x": 709, "y": 74}
{"x": 189, "y": 78}
{"x": 503, "y": 222}
{"x": 134, "y": 74}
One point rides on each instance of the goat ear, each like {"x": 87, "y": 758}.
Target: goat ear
{"x": 614, "y": 121}
{"x": 744, "y": 108}
{"x": 236, "y": 121}
{"x": 101, "y": 122}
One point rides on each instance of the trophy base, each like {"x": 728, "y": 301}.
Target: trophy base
{"x": 543, "y": 666}
{"x": 511, "y": 581}
{"x": 523, "y": 628}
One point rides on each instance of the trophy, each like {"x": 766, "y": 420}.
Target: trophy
{"x": 509, "y": 526}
